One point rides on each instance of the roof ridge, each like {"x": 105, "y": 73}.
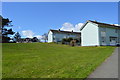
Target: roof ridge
{"x": 102, "y": 23}
{"x": 64, "y": 31}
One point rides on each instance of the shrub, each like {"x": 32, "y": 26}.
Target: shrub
{"x": 66, "y": 40}
{"x": 73, "y": 43}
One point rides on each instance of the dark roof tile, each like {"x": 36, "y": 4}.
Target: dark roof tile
{"x": 105, "y": 24}
{"x": 59, "y": 31}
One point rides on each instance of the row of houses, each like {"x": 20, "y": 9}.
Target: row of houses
{"x": 58, "y": 35}
{"x": 92, "y": 33}
{"x": 25, "y": 40}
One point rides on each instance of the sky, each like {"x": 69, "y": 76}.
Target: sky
{"x": 36, "y": 18}
{"x": 60, "y": 0}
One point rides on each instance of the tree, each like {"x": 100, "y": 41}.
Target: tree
{"x": 17, "y": 37}
{"x": 45, "y": 37}
{"x": 35, "y": 39}
{"x": 66, "y": 40}
{"x": 6, "y": 29}
{"x": 0, "y": 29}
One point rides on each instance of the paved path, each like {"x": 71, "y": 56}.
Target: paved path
{"x": 108, "y": 69}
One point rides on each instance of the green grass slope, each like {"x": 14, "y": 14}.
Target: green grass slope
{"x": 43, "y": 60}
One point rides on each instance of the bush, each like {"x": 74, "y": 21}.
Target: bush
{"x": 66, "y": 40}
{"x": 69, "y": 39}
{"x": 73, "y": 43}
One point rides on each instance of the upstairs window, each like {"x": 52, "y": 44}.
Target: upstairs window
{"x": 103, "y": 33}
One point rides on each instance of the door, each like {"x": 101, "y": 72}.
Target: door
{"x": 103, "y": 37}
{"x": 103, "y": 41}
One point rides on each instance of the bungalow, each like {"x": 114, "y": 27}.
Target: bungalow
{"x": 58, "y": 35}
{"x": 94, "y": 33}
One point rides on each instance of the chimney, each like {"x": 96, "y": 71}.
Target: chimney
{"x": 59, "y": 29}
{"x": 72, "y": 30}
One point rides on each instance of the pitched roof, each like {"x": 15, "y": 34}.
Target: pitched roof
{"x": 59, "y": 31}
{"x": 101, "y": 24}
{"x": 113, "y": 25}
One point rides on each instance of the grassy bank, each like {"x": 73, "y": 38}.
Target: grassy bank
{"x": 43, "y": 60}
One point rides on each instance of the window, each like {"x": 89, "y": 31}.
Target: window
{"x": 103, "y": 33}
{"x": 103, "y": 39}
{"x": 113, "y": 39}
{"x": 68, "y": 35}
{"x": 116, "y": 31}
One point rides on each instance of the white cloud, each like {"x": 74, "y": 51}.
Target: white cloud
{"x": 117, "y": 24}
{"x": 38, "y": 36}
{"x": 69, "y": 27}
{"x": 28, "y": 33}
{"x": 77, "y": 27}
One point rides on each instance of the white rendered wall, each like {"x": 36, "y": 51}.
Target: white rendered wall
{"x": 90, "y": 35}
{"x": 50, "y": 36}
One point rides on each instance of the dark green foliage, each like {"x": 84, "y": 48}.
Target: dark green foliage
{"x": 64, "y": 40}
{"x": 69, "y": 39}
{"x": 6, "y": 23}
{"x": 77, "y": 40}
{"x": 35, "y": 39}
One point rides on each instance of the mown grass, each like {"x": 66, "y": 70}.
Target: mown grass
{"x": 43, "y": 60}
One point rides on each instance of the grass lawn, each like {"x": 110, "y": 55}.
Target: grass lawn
{"x": 43, "y": 60}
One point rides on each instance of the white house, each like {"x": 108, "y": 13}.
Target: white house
{"x": 94, "y": 33}
{"x": 58, "y": 35}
